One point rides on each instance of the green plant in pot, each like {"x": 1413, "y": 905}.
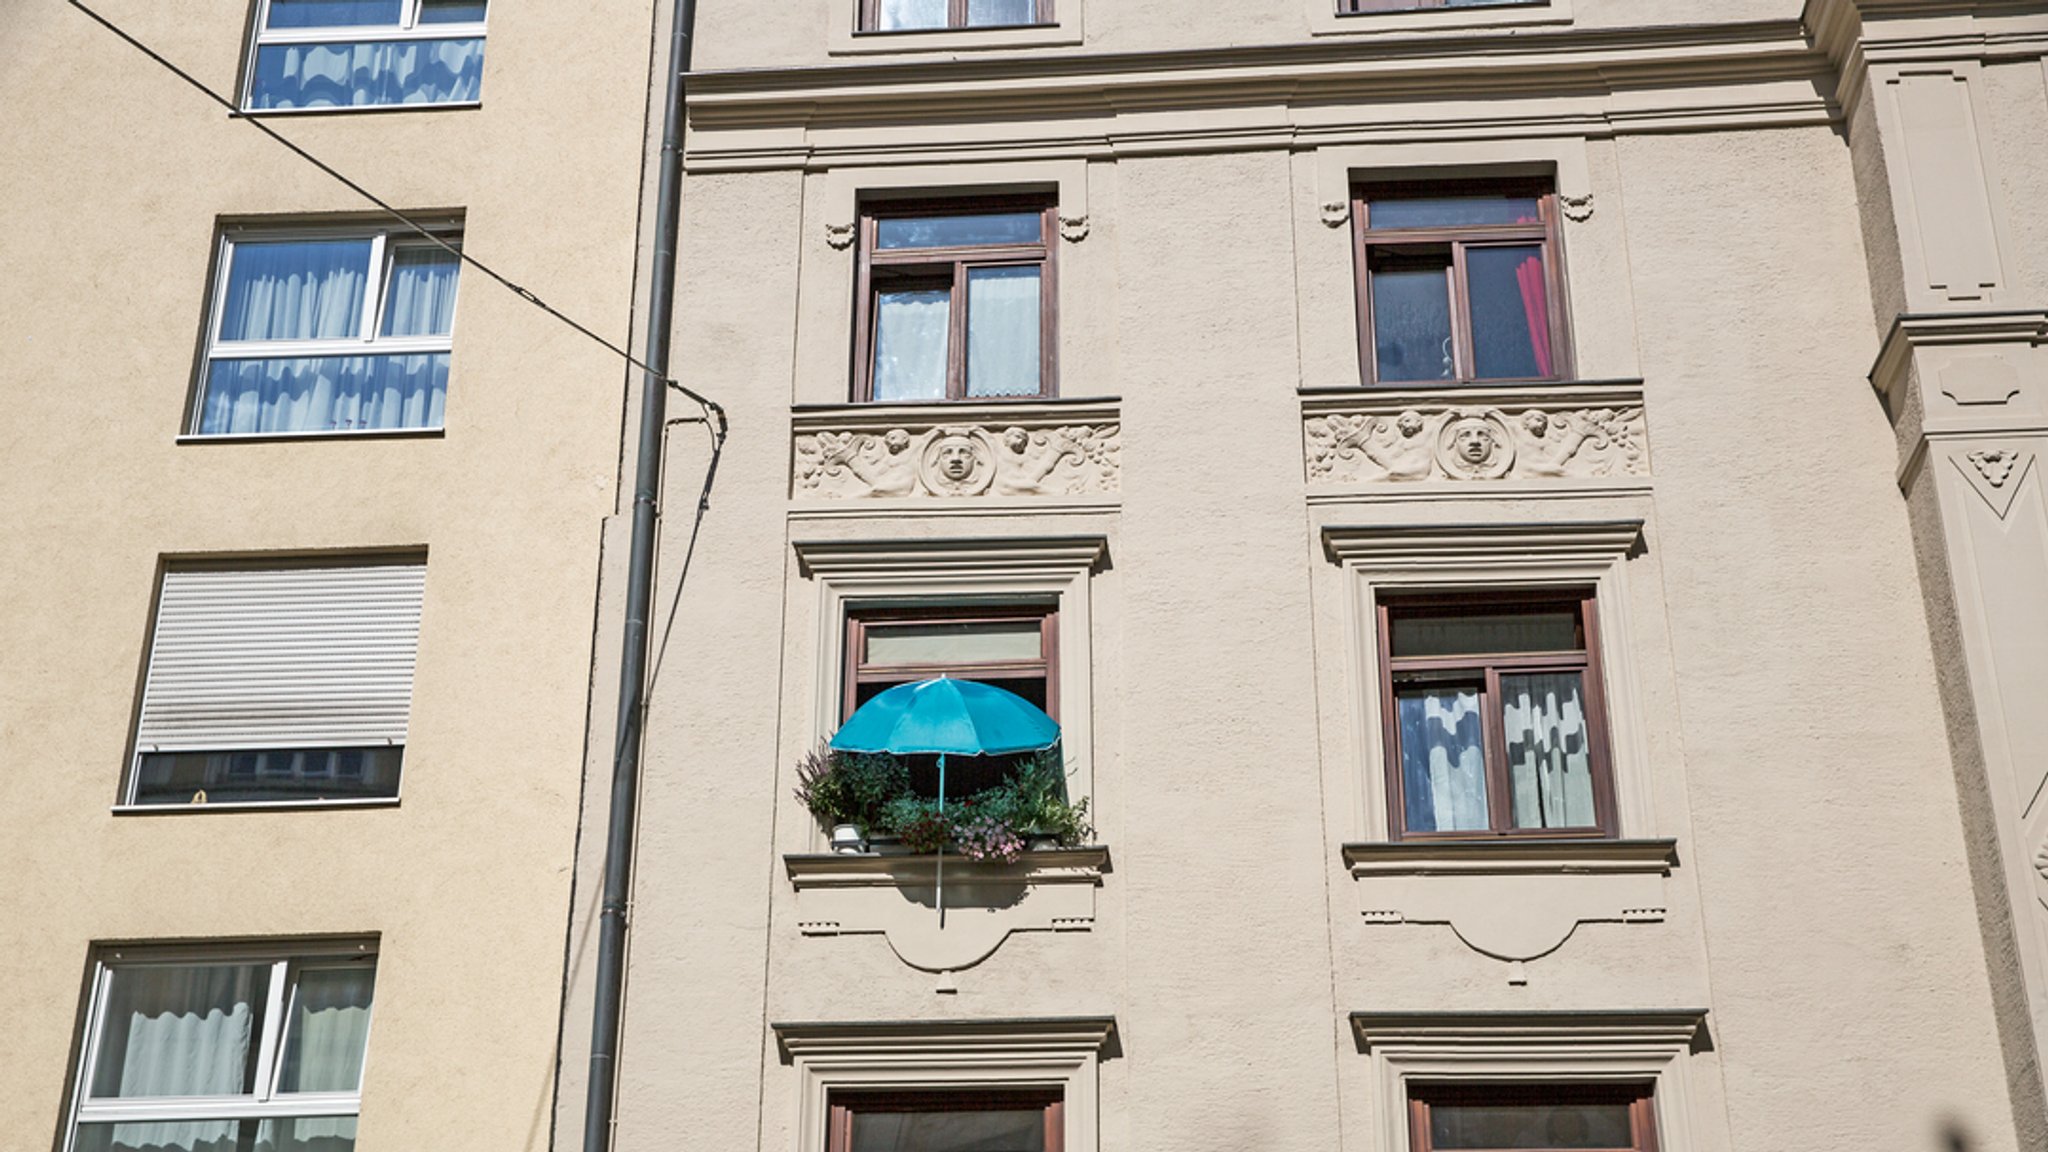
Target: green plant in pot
{"x": 1033, "y": 802}
{"x": 848, "y": 792}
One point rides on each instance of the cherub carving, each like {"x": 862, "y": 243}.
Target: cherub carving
{"x": 876, "y": 463}
{"x": 1397, "y": 446}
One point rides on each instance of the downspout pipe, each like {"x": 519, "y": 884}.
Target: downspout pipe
{"x": 618, "y": 856}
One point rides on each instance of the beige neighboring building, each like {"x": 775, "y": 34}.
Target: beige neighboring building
{"x": 302, "y": 550}
{"x": 1529, "y": 517}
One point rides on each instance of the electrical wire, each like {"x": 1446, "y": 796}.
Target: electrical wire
{"x": 710, "y": 406}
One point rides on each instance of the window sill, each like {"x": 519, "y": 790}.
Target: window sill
{"x": 1046, "y": 890}
{"x": 248, "y": 806}
{"x": 847, "y": 41}
{"x": 1029, "y": 448}
{"x": 1325, "y": 20}
{"x": 1512, "y": 899}
{"x": 324, "y": 434}
{"x": 353, "y": 109}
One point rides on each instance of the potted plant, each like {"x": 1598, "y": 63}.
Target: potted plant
{"x": 847, "y": 792}
{"x": 1034, "y": 802}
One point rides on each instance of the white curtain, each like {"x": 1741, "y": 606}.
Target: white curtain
{"x": 325, "y": 393}
{"x": 421, "y": 301}
{"x": 1550, "y": 766}
{"x": 184, "y": 1031}
{"x": 910, "y": 345}
{"x": 1005, "y": 1131}
{"x": 899, "y": 15}
{"x": 330, "y": 1022}
{"x": 368, "y": 73}
{"x": 1443, "y": 762}
{"x": 333, "y": 13}
{"x": 295, "y": 290}
{"x": 996, "y": 13}
{"x": 1002, "y": 332}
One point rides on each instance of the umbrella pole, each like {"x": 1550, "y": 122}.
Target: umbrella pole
{"x": 941, "y": 881}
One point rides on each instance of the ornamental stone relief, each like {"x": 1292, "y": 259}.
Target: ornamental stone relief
{"x": 959, "y": 460}
{"x": 1475, "y": 443}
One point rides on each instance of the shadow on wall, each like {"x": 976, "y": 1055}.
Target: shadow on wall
{"x": 1954, "y": 1137}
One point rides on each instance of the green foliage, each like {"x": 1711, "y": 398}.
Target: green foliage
{"x": 872, "y": 791}
{"x": 850, "y": 787}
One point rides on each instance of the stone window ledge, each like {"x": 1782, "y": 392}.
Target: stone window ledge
{"x": 1047, "y": 890}
{"x": 1513, "y": 900}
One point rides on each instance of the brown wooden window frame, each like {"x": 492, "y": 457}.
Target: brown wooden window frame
{"x": 1487, "y": 668}
{"x": 949, "y": 267}
{"x": 843, "y": 1106}
{"x": 1356, "y": 7}
{"x": 1367, "y": 242}
{"x": 956, "y": 19}
{"x": 1640, "y": 1098}
{"x": 858, "y": 620}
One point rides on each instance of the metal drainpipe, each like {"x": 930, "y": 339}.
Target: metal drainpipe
{"x": 618, "y": 856}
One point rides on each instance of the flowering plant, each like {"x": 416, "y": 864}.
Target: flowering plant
{"x": 988, "y": 839}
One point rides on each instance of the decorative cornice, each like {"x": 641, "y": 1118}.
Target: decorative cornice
{"x": 1923, "y": 330}
{"x": 1080, "y": 1034}
{"x": 1509, "y": 857}
{"x": 1509, "y": 545}
{"x": 1671, "y": 1026}
{"x": 874, "y": 558}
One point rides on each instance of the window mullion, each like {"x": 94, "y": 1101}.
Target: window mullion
{"x": 1493, "y": 739}
{"x": 1463, "y": 355}
{"x": 956, "y": 335}
{"x": 956, "y": 13}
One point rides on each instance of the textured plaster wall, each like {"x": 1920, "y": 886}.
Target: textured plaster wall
{"x": 1837, "y": 904}
{"x": 112, "y": 188}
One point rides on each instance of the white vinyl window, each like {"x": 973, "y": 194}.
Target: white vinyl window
{"x": 323, "y": 331}
{"x": 365, "y": 53}
{"x": 250, "y": 1050}
{"x": 278, "y": 685}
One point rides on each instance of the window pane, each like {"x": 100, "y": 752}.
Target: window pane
{"x": 1005, "y": 641}
{"x": 1017, "y": 1131}
{"x": 324, "y": 394}
{"x": 1411, "y": 324}
{"x": 324, "y": 1036}
{"x": 1484, "y": 632}
{"x": 321, "y": 1134}
{"x": 295, "y": 290}
{"x": 280, "y": 774}
{"x": 163, "y": 1136}
{"x": 1002, "y": 332}
{"x": 1510, "y": 311}
{"x": 1443, "y": 766}
{"x": 334, "y": 13}
{"x": 900, "y": 15}
{"x": 1453, "y": 211}
{"x": 180, "y": 1031}
{"x": 451, "y": 11}
{"x": 374, "y": 73}
{"x": 1550, "y": 763}
{"x": 958, "y": 231}
{"x": 1559, "y": 1126}
{"x": 421, "y": 299}
{"x": 910, "y": 344}
{"x": 995, "y": 13}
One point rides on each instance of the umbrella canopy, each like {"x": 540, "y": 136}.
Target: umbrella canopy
{"x": 948, "y": 717}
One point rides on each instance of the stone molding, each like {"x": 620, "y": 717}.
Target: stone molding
{"x": 1513, "y": 900}
{"x": 1046, "y": 890}
{"x": 954, "y": 451}
{"x": 963, "y": 1055}
{"x": 1556, "y": 432}
{"x": 1495, "y": 1047}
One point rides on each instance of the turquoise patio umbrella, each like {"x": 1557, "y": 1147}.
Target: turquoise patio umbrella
{"x": 947, "y": 717}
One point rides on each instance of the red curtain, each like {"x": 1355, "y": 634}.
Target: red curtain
{"x": 1536, "y": 306}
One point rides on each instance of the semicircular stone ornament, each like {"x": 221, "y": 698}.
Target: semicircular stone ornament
{"x": 957, "y": 462}
{"x": 2041, "y": 860}
{"x": 1475, "y": 445}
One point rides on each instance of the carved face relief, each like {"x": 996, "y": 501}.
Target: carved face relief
{"x": 1016, "y": 440}
{"x": 1410, "y": 424}
{"x": 896, "y": 440}
{"x": 1474, "y": 445}
{"x": 1537, "y": 422}
{"x": 957, "y": 462}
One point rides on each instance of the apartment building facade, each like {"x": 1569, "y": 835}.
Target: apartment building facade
{"x": 1523, "y": 513}
{"x": 303, "y": 536}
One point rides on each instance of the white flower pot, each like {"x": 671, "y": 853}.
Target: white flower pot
{"x": 846, "y": 839}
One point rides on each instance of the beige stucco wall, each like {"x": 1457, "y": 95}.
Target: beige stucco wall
{"x": 115, "y": 176}
{"x": 1790, "y": 736}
